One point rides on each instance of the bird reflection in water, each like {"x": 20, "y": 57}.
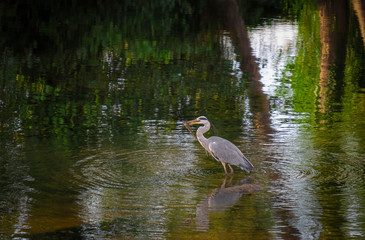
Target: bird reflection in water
{"x": 222, "y": 198}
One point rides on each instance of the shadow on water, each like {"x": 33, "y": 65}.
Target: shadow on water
{"x": 221, "y": 198}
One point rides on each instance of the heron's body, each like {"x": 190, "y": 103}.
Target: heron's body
{"x": 221, "y": 149}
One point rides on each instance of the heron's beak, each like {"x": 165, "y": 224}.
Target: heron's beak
{"x": 192, "y": 122}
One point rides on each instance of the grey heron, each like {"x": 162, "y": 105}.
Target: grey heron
{"x": 219, "y": 148}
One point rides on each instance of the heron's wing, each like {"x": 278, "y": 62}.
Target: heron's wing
{"x": 225, "y": 151}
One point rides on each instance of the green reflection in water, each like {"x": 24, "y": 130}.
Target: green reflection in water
{"x": 327, "y": 81}
{"x": 91, "y": 103}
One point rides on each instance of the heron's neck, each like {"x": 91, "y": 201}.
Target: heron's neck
{"x": 199, "y": 134}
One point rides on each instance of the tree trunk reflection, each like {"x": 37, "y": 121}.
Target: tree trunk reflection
{"x": 359, "y": 8}
{"x": 258, "y": 99}
{"x": 333, "y": 26}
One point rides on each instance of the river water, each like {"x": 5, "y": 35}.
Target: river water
{"x": 93, "y": 97}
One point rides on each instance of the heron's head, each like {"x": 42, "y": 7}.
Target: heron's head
{"x": 200, "y": 120}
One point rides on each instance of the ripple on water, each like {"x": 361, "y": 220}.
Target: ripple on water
{"x": 97, "y": 170}
{"x": 304, "y": 172}
{"x": 124, "y": 169}
{"x": 145, "y": 185}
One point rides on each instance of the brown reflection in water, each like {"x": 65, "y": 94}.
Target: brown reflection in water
{"x": 359, "y": 8}
{"x": 333, "y": 27}
{"x": 259, "y": 102}
{"x": 260, "y": 108}
{"x": 222, "y": 198}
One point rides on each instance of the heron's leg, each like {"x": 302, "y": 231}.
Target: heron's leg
{"x": 224, "y": 166}
{"x": 229, "y": 165}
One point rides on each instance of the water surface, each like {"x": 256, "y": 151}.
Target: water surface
{"x": 92, "y": 99}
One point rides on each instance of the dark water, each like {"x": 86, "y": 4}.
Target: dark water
{"x": 92, "y": 99}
